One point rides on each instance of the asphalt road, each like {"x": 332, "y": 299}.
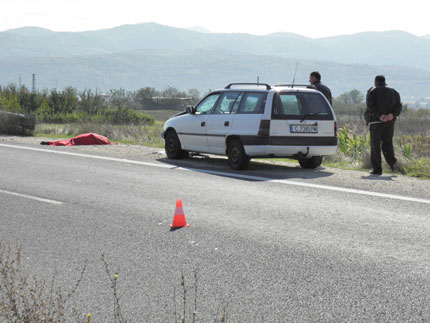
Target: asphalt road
{"x": 263, "y": 247}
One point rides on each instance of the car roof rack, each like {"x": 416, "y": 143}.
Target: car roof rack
{"x": 309, "y": 86}
{"x": 268, "y": 87}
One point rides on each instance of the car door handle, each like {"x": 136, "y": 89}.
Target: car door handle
{"x": 203, "y": 124}
{"x": 227, "y": 123}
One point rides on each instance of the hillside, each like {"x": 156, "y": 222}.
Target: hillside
{"x": 134, "y": 56}
{"x": 203, "y": 70}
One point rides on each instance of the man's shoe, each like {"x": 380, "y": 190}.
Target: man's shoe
{"x": 395, "y": 168}
{"x": 375, "y": 172}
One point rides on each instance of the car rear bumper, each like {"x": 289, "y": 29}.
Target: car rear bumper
{"x": 288, "y": 151}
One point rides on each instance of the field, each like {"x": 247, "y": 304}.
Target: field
{"x": 411, "y": 144}
{"x": 148, "y": 135}
{"x": 411, "y": 141}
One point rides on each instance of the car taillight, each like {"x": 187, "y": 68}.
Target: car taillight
{"x": 335, "y": 129}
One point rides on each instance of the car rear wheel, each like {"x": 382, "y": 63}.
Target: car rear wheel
{"x": 311, "y": 163}
{"x": 172, "y": 145}
{"x": 237, "y": 159}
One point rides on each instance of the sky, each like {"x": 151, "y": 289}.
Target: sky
{"x": 311, "y": 18}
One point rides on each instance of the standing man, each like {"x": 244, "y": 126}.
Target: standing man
{"x": 315, "y": 80}
{"x": 383, "y": 106}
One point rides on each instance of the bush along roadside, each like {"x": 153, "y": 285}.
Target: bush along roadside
{"x": 27, "y": 299}
{"x": 354, "y": 153}
{"x": 17, "y": 123}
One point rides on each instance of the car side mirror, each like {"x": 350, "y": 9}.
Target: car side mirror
{"x": 190, "y": 109}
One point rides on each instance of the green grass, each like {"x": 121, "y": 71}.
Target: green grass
{"x": 161, "y": 115}
{"x": 418, "y": 168}
{"x": 342, "y": 164}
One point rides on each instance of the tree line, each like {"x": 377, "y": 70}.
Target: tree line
{"x": 122, "y": 107}
{"x": 115, "y": 106}
{"x": 353, "y": 104}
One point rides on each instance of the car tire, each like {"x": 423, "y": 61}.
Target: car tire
{"x": 237, "y": 159}
{"x": 311, "y": 163}
{"x": 172, "y": 146}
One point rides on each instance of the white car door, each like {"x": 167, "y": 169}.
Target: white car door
{"x": 221, "y": 120}
{"x": 192, "y": 131}
{"x": 247, "y": 122}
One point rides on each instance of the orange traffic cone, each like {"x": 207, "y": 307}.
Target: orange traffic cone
{"x": 179, "y": 217}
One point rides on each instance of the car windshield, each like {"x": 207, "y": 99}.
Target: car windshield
{"x": 297, "y": 105}
{"x": 207, "y": 104}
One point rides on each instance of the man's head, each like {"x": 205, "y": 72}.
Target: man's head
{"x": 379, "y": 80}
{"x": 315, "y": 77}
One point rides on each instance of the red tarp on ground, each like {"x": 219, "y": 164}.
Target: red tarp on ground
{"x": 84, "y": 139}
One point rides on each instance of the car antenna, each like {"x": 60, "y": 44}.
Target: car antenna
{"x": 294, "y": 78}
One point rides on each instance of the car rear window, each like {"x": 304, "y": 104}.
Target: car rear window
{"x": 296, "y": 105}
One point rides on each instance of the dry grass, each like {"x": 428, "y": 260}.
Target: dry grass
{"x": 131, "y": 134}
{"x": 25, "y": 299}
{"x": 161, "y": 115}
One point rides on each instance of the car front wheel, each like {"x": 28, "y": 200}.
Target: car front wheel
{"x": 172, "y": 145}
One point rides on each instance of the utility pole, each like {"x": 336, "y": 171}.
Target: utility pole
{"x": 33, "y": 88}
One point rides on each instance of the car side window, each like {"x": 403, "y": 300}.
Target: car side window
{"x": 226, "y": 103}
{"x": 237, "y": 103}
{"x": 207, "y": 104}
{"x": 253, "y": 102}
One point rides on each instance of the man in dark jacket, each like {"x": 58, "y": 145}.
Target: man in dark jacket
{"x": 315, "y": 80}
{"x": 383, "y": 106}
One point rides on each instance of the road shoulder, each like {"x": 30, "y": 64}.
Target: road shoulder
{"x": 387, "y": 183}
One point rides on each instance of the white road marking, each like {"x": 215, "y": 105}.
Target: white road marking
{"x": 318, "y": 186}
{"x": 31, "y": 197}
{"x": 128, "y": 161}
{"x": 233, "y": 175}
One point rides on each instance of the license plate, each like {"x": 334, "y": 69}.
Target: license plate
{"x": 303, "y": 128}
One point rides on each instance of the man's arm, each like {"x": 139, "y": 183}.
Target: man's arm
{"x": 329, "y": 96}
{"x": 397, "y": 108}
{"x": 397, "y": 104}
{"x": 371, "y": 114}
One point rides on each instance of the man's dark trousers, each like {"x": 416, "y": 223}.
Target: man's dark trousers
{"x": 381, "y": 136}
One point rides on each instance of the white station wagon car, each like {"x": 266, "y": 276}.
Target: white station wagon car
{"x": 251, "y": 120}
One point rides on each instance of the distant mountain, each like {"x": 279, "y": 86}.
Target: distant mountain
{"x": 149, "y": 54}
{"x": 373, "y": 48}
{"x": 200, "y": 29}
{"x": 202, "y": 70}
{"x": 24, "y": 42}
{"x": 381, "y": 48}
